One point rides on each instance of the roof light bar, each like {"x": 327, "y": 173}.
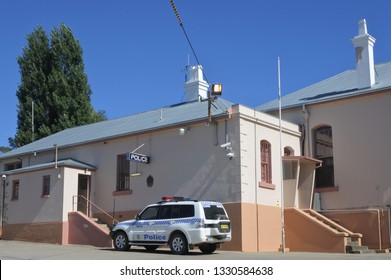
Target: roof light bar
{"x": 175, "y": 198}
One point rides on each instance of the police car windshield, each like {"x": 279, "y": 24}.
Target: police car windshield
{"x": 214, "y": 212}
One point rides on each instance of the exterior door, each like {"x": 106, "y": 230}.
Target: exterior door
{"x": 83, "y": 194}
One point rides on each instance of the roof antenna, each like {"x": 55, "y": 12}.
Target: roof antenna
{"x": 187, "y": 68}
{"x": 187, "y": 37}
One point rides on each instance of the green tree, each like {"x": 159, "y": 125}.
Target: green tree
{"x": 4, "y": 149}
{"x": 54, "y": 93}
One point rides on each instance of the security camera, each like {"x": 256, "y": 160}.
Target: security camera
{"x": 182, "y": 131}
{"x": 231, "y": 155}
{"x": 4, "y": 176}
{"x": 226, "y": 145}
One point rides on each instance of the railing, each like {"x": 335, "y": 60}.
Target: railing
{"x": 334, "y": 225}
{"x": 368, "y": 210}
{"x": 90, "y": 206}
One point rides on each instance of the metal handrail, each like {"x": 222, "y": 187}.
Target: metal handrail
{"x": 89, "y": 202}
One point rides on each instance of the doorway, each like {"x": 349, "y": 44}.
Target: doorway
{"x": 299, "y": 179}
{"x": 83, "y": 192}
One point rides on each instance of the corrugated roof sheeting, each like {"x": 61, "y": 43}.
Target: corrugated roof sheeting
{"x": 150, "y": 120}
{"x": 338, "y": 86}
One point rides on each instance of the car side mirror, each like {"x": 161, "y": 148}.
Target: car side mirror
{"x": 137, "y": 217}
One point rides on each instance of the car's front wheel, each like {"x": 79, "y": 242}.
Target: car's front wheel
{"x": 121, "y": 241}
{"x": 178, "y": 244}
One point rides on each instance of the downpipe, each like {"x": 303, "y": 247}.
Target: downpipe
{"x": 379, "y": 227}
{"x": 389, "y": 224}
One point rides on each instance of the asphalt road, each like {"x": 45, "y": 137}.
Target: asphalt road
{"x": 18, "y": 250}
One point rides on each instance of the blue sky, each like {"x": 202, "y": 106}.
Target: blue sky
{"x": 135, "y": 51}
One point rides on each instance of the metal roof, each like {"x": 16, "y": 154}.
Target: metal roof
{"x": 339, "y": 86}
{"x": 159, "y": 118}
{"x": 61, "y": 163}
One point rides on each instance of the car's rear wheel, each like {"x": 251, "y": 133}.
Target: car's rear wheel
{"x": 178, "y": 244}
{"x": 121, "y": 241}
{"x": 207, "y": 248}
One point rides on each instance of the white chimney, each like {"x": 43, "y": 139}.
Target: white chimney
{"x": 365, "y": 65}
{"x": 196, "y": 87}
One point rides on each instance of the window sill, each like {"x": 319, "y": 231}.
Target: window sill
{"x": 124, "y": 192}
{"x": 268, "y": 186}
{"x": 327, "y": 189}
{"x": 45, "y": 196}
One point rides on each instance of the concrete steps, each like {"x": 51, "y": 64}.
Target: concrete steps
{"x": 102, "y": 224}
{"x": 353, "y": 247}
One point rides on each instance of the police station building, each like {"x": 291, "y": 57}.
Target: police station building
{"x": 111, "y": 170}
{"x": 59, "y": 188}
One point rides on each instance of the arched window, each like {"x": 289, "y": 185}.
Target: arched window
{"x": 266, "y": 162}
{"x": 324, "y": 151}
{"x": 289, "y": 167}
{"x": 288, "y": 151}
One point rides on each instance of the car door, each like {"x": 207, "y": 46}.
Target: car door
{"x": 144, "y": 228}
{"x": 162, "y": 225}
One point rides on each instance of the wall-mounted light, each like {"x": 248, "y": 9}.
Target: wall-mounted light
{"x": 183, "y": 131}
{"x": 217, "y": 89}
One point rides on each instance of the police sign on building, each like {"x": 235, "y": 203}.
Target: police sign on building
{"x": 138, "y": 158}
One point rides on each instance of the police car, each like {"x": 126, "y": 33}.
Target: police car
{"x": 177, "y": 222}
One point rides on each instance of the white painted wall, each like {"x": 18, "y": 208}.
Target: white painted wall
{"x": 255, "y": 127}
{"x": 71, "y": 182}
{"x": 31, "y": 207}
{"x": 190, "y": 165}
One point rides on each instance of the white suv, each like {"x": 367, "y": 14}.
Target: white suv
{"x": 178, "y": 223}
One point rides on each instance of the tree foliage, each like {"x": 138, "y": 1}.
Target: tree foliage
{"x": 4, "y": 149}
{"x": 54, "y": 93}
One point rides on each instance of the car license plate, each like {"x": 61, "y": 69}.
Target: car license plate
{"x": 224, "y": 226}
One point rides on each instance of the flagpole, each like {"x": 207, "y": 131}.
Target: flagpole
{"x": 281, "y": 164}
